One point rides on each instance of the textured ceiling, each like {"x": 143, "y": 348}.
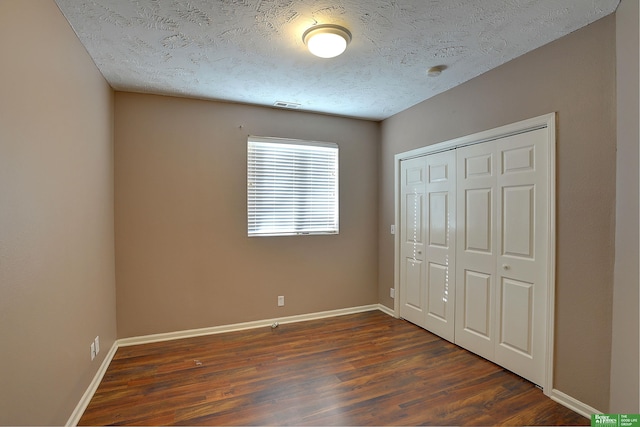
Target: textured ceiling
{"x": 251, "y": 51}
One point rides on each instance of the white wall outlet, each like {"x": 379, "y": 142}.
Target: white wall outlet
{"x": 280, "y": 301}
{"x": 393, "y": 229}
{"x": 392, "y": 292}
{"x": 97, "y": 342}
{"x": 93, "y": 350}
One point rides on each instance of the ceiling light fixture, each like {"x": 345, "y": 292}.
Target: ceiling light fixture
{"x": 326, "y": 40}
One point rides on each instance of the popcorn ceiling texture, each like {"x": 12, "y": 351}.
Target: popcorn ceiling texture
{"x": 251, "y": 51}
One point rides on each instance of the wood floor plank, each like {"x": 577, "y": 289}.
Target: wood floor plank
{"x": 361, "y": 369}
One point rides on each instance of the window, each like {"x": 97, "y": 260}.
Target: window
{"x": 292, "y": 187}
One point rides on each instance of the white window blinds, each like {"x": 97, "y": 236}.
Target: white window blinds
{"x": 292, "y": 187}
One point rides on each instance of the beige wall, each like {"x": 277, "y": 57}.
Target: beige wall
{"x": 624, "y": 358}
{"x": 57, "y": 275}
{"x": 183, "y": 258}
{"x": 574, "y": 76}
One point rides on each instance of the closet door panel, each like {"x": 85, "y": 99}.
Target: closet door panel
{"x": 477, "y": 304}
{"x": 440, "y": 247}
{"x": 413, "y": 295}
{"x": 518, "y": 222}
{"x": 478, "y": 214}
{"x": 516, "y": 331}
{"x": 476, "y": 254}
{"x": 522, "y": 265}
{"x": 438, "y": 293}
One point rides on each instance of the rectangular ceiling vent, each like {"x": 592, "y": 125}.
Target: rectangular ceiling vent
{"x": 285, "y": 104}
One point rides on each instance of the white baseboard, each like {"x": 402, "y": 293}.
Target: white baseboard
{"x": 573, "y": 404}
{"x": 88, "y": 395}
{"x": 74, "y": 419}
{"x": 146, "y": 339}
{"x": 383, "y": 308}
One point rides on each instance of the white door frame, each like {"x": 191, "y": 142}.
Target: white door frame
{"x": 547, "y": 121}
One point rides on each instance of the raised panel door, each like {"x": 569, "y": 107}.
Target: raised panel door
{"x": 476, "y": 248}
{"x": 440, "y": 244}
{"x": 413, "y": 295}
{"x": 522, "y": 266}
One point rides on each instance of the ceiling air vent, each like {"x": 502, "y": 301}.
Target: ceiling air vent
{"x": 285, "y": 104}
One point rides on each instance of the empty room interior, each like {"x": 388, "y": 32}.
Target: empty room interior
{"x": 126, "y": 224}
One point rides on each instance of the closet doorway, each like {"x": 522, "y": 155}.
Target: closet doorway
{"x": 475, "y": 244}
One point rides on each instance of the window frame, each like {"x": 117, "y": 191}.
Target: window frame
{"x": 332, "y": 226}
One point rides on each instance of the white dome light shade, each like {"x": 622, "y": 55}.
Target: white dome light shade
{"x": 326, "y": 41}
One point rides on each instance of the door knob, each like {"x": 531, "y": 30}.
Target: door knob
{"x": 506, "y": 266}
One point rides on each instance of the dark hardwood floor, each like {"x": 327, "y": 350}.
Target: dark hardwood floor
{"x": 361, "y": 369}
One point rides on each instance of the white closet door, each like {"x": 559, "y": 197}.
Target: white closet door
{"x": 476, "y": 249}
{"x": 476, "y": 244}
{"x": 412, "y": 267}
{"x": 522, "y": 233}
{"x": 440, "y": 253}
{"x": 502, "y": 240}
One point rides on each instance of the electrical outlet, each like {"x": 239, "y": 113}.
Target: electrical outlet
{"x": 393, "y": 229}
{"x": 281, "y": 301}
{"x": 392, "y": 292}
{"x": 97, "y": 342}
{"x": 93, "y": 350}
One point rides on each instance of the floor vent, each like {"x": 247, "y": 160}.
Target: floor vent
{"x": 284, "y": 104}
